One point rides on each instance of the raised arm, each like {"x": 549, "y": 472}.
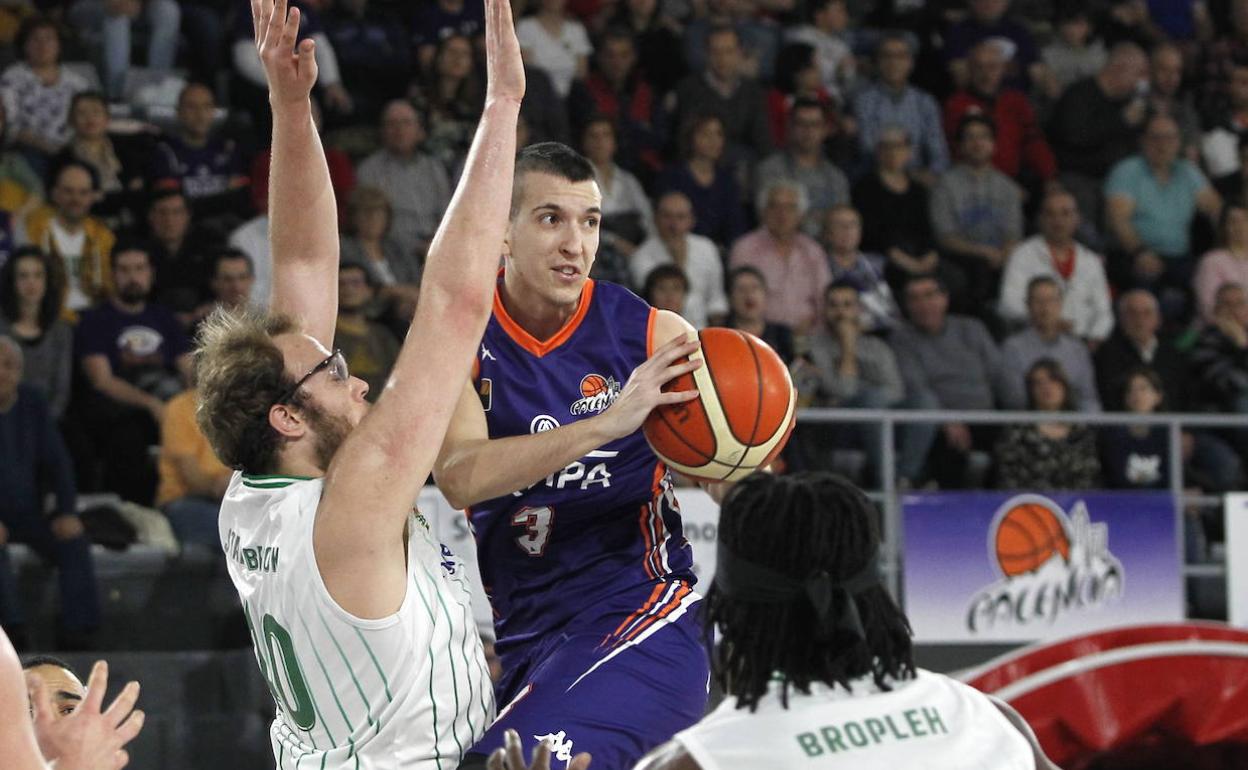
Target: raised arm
{"x": 377, "y": 473}
{"x": 473, "y": 467}
{"x": 303, "y": 215}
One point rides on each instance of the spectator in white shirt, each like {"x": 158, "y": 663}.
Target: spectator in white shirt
{"x": 677, "y": 244}
{"x": 556, "y": 44}
{"x": 1079, "y": 272}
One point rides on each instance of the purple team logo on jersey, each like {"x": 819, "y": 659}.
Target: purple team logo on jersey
{"x": 597, "y": 393}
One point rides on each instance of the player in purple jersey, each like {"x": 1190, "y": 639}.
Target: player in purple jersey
{"x": 578, "y": 533}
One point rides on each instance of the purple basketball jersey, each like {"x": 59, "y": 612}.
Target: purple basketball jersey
{"x": 594, "y": 534}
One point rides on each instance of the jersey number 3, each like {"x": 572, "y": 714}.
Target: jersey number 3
{"x": 537, "y": 523}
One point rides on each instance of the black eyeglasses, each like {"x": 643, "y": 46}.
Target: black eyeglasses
{"x": 334, "y": 362}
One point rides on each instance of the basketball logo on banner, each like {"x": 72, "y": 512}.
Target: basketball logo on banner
{"x": 1051, "y": 562}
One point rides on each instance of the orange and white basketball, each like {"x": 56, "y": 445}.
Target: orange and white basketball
{"x": 742, "y": 417}
{"x": 1028, "y": 536}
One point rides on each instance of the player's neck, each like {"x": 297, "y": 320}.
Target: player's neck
{"x": 300, "y": 464}
{"x": 535, "y": 314}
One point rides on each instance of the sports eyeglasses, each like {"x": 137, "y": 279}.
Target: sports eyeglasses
{"x": 334, "y": 362}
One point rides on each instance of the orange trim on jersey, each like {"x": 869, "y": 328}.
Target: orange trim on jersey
{"x": 476, "y": 369}
{"x": 647, "y": 543}
{"x": 526, "y": 340}
{"x": 643, "y": 609}
{"x": 663, "y": 612}
{"x": 654, "y": 314}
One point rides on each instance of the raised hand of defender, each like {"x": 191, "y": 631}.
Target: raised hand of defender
{"x": 503, "y": 65}
{"x": 89, "y": 739}
{"x": 512, "y": 757}
{"x": 291, "y": 72}
{"x": 644, "y": 389}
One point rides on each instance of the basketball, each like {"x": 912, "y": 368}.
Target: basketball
{"x": 741, "y": 418}
{"x": 1028, "y": 536}
{"x": 593, "y": 385}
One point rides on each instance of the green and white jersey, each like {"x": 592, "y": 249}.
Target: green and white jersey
{"x": 930, "y": 722}
{"x": 407, "y": 692}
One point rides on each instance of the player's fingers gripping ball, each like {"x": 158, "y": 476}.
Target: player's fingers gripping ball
{"x": 742, "y": 417}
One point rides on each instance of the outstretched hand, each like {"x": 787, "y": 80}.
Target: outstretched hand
{"x": 511, "y": 757}
{"x": 503, "y": 65}
{"x": 644, "y": 389}
{"x": 90, "y": 738}
{"x": 291, "y": 71}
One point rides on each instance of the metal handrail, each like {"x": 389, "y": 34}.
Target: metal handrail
{"x": 893, "y": 535}
{"x": 988, "y": 417}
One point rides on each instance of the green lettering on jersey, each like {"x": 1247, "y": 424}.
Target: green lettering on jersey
{"x": 934, "y": 722}
{"x": 809, "y": 744}
{"x": 876, "y": 728}
{"x": 873, "y": 731}
{"x": 912, "y": 719}
{"x": 856, "y": 734}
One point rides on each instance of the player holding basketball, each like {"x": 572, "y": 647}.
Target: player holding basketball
{"x": 579, "y": 538}
{"x": 360, "y": 619}
{"x": 816, "y": 658}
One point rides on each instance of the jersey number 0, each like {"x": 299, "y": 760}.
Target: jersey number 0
{"x": 294, "y": 697}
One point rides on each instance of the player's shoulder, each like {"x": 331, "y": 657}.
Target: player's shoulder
{"x": 670, "y": 756}
{"x": 608, "y": 292}
{"x": 265, "y": 490}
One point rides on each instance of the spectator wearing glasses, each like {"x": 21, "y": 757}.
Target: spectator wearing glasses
{"x": 892, "y": 102}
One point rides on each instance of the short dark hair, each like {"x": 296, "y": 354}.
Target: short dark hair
{"x": 663, "y": 273}
{"x": 129, "y": 245}
{"x": 801, "y": 525}
{"x": 735, "y": 274}
{"x": 31, "y": 25}
{"x": 231, "y": 253}
{"x": 808, "y": 104}
{"x": 54, "y": 173}
{"x": 554, "y": 158}
{"x": 355, "y": 264}
{"x": 914, "y": 278}
{"x": 87, "y": 96}
{"x": 839, "y": 284}
{"x": 972, "y": 119}
{"x": 1042, "y": 280}
{"x": 54, "y": 286}
{"x": 1150, "y": 374}
{"x": 35, "y": 661}
{"x": 165, "y": 193}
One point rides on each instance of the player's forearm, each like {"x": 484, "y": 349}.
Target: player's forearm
{"x": 303, "y": 215}
{"x": 483, "y": 469}
{"x": 463, "y": 257}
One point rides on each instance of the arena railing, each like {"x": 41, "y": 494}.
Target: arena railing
{"x": 888, "y": 495}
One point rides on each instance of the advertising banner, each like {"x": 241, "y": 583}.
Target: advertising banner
{"x": 1008, "y": 567}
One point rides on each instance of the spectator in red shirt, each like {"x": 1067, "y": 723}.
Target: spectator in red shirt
{"x": 616, "y": 90}
{"x": 1022, "y": 151}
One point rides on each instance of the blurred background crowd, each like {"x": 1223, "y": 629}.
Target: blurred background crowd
{"x": 985, "y": 204}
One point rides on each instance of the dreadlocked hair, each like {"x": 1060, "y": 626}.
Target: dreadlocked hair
{"x": 799, "y": 525}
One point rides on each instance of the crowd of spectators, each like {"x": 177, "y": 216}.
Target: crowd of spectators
{"x": 938, "y": 205}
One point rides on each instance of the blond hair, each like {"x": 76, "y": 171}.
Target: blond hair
{"x": 241, "y": 374}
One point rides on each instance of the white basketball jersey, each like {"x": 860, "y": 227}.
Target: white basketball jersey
{"x": 406, "y": 692}
{"x": 931, "y": 722}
